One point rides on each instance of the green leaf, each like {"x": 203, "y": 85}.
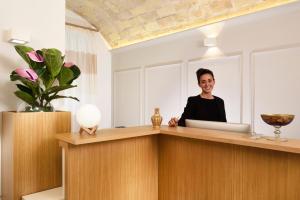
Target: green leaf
{"x": 14, "y": 76}
{"x": 25, "y": 89}
{"x": 22, "y": 51}
{"x": 56, "y": 89}
{"x": 34, "y": 86}
{"x": 47, "y": 79}
{"x": 65, "y": 76}
{"x": 61, "y": 96}
{"x": 76, "y": 73}
{"x": 36, "y": 65}
{"x": 39, "y": 52}
{"x": 40, "y": 72}
{"x": 26, "y": 97}
{"x": 31, "y": 84}
{"x": 53, "y": 61}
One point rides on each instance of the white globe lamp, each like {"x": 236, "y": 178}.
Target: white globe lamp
{"x": 88, "y": 117}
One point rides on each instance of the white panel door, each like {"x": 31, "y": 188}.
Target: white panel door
{"x": 163, "y": 90}
{"x": 227, "y": 72}
{"x": 277, "y": 87}
{"x": 127, "y": 98}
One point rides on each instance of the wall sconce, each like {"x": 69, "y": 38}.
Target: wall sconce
{"x": 88, "y": 117}
{"x": 210, "y": 42}
{"x": 17, "y": 36}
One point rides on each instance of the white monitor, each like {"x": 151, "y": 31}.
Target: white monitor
{"x": 224, "y": 126}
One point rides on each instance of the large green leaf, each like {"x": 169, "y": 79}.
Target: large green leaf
{"x": 61, "y": 96}
{"x": 34, "y": 86}
{"x": 22, "y": 51}
{"x": 40, "y": 72}
{"x": 65, "y": 76}
{"x": 31, "y": 84}
{"x": 26, "y": 97}
{"x": 57, "y": 89}
{"x": 37, "y": 65}
{"x": 76, "y": 73}
{"x": 47, "y": 79}
{"x": 25, "y": 89}
{"x": 53, "y": 60}
{"x": 14, "y": 76}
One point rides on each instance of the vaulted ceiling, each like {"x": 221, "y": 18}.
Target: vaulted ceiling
{"x": 125, "y": 22}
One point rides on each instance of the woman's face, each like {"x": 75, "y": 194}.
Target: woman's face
{"x": 206, "y": 83}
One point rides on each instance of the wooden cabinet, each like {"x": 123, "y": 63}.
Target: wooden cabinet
{"x": 31, "y": 157}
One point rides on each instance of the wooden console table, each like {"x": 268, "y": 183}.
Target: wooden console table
{"x": 140, "y": 163}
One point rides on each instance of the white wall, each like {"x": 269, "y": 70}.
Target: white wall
{"x": 256, "y": 67}
{"x": 45, "y": 20}
{"x": 92, "y": 88}
{"x": 104, "y": 83}
{"x": 102, "y": 97}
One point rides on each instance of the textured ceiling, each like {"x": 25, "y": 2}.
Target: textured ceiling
{"x": 73, "y": 18}
{"x": 125, "y": 22}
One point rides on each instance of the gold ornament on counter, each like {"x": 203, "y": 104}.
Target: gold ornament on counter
{"x": 156, "y": 119}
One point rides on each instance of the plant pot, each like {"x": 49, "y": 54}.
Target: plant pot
{"x": 31, "y": 157}
{"x": 24, "y": 107}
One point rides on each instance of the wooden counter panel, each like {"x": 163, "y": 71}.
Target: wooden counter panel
{"x": 243, "y": 139}
{"x": 117, "y": 170}
{"x": 31, "y": 157}
{"x": 109, "y": 134}
{"x": 192, "y": 169}
{"x": 179, "y": 164}
{"x": 266, "y": 174}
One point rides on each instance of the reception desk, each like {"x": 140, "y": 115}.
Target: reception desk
{"x": 142, "y": 163}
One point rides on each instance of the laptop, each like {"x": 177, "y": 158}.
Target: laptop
{"x": 224, "y": 126}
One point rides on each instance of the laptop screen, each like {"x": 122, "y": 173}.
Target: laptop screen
{"x": 224, "y": 126}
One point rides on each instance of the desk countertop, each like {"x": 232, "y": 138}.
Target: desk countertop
{"x": 243, "y": 139}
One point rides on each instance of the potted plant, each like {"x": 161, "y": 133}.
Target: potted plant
{"x": 32, "y": 134}
{"x": 46, "y": 76}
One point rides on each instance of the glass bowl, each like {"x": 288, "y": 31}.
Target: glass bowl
{"x": 277, "y": 121}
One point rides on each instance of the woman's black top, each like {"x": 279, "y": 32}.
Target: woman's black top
{"x": 203, "y": 109}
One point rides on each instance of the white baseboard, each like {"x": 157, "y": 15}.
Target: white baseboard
{"x": 53, "y": 194}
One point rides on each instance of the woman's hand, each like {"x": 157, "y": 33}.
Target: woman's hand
{"x": 173, "y": 122}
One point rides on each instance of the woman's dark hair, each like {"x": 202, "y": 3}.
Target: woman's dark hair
{"x": 202, "y": 71}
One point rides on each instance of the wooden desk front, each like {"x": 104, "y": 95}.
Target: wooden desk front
{"x": 179, "y": 164}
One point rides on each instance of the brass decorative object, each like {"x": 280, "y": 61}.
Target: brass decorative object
{"x": 156, "y": 119}
{"x": 277, "y": 120}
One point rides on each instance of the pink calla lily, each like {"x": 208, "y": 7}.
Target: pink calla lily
{"x": 68, "y": 64}
{"x": 33, "y": 55}
{"x": 27, "y": 73}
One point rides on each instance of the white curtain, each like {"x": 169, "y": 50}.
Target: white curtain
{"x": 84, "y": 48}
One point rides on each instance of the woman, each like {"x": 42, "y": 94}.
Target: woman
{"x": 204, "y": 106}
